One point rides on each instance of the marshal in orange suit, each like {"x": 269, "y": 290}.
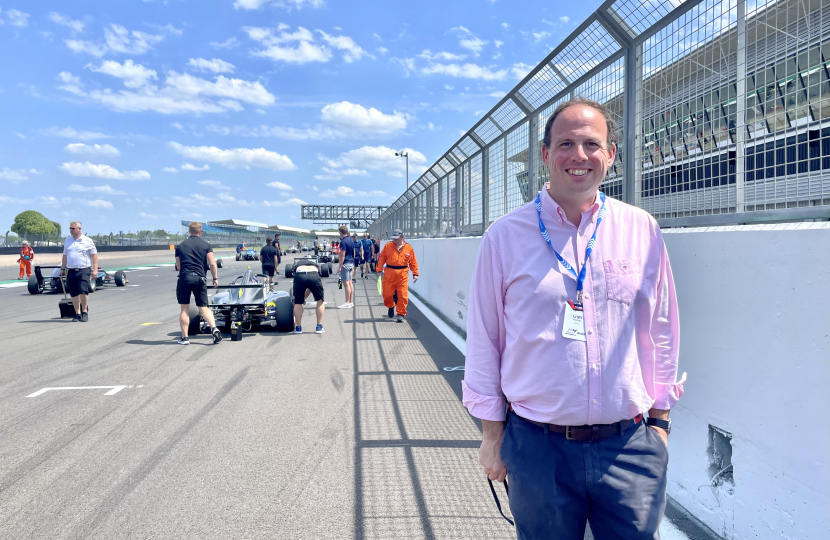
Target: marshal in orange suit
{"x": 399, "y": 258}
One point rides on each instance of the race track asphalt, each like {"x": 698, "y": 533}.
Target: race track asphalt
{"x": 355, "y": 433}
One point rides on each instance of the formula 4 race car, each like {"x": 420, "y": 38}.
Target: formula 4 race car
{"x": 249, "y": 254}
{"x": 39, "y": 284}
{"x": 325, "y": 266}
{"x": 243, "y": 304}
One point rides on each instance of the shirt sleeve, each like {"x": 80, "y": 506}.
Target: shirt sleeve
{"x": 382, "y": 258}
{"x": 91, "y": 249}
{"x": 413, "y": 263}
{"x": 482, "y": 394}
{"x": 665, "y": 334}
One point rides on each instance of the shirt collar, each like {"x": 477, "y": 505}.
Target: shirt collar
{"x": 552, "y": 208}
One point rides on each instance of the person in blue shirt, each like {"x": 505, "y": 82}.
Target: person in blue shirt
{"x": 241, "y": 246}
{"x": 367, "y": 246}
{"x": 347, "y": 262}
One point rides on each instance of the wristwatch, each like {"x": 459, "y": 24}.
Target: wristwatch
{"x": 658, "y": 422}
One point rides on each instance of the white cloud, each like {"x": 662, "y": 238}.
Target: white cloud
{"x": 446, "y": 56}
{"x": 279, "y": 185}
{"x": 282, "y": 204}
{"x": 229, "y": 43}
{"x": 99, "y": 203}
{"x": 17, "y": 18}
{"x": 215, "y": 65}
{"x": 299, "y": 47}
{"x": 497, "y": 94}
{"x": 383, "y": 50}
{"x": 378, "y": 158}
{"x": 345, "y": 43}
{"x": 469, "y": 71}
{"x": 181, "y": 93}
{"x": 133, "y": 75}
{"x": 469, "y": 41}
{"x": 117, "y": 39}
{"x": 564, "y": 20}
{"x": 71, "y": 133}
{"x": 189, "y": 167}
{"x": 520, "y": 70}
{"x": 498, "y": 43}
{"x": 350, "y": 117}
{"x": 214, "y": 184}
{"x": 19, "y": 135}
{"x": 102, "y": 171}
{"x": 285, "y": 4}
{"x": 171, "y": 169}
{"x": 96, "y": 189}
{"x": 75, "y": 26}
{"x": 345, "y": 191}
{"x": 14, "y": 175}
{"x": 236, "y": 157}
{"x": 13, "y": 200}
{"x": 97, "y": 150}
{"x": 149, "y": 216}
{"x": 539, "y": 36}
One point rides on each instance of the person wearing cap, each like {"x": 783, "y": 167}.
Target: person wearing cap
{"x": 27, "y": 255}
{"x": 399, "y": 258}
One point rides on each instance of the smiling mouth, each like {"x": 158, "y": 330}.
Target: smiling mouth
{"x": 577, "y": 172}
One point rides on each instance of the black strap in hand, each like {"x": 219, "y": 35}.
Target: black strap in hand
{"x": 496, "y": 498}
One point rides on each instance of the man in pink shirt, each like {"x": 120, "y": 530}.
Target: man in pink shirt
{"x": 579, "y": 335}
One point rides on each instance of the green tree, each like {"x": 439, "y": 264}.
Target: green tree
{"x": 31, "y": 222}
{"x": 159, "y": 233}
{"x": 57, "y": 227}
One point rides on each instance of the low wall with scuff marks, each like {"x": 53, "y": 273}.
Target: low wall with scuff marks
{"x": 755, "y": 315}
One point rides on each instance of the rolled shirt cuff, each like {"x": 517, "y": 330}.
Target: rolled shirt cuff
{"x": 668, "y": 394}
{"x": 481, "y": 406}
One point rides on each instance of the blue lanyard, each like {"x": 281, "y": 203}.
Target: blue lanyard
{"x": 580, "y": 279}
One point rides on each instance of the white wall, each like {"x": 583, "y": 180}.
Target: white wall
{"x": 755, "y": 316}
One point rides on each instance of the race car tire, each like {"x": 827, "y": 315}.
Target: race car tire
{"x": 99, "y": 281}
{"x": 285, "y": 314}
{"x": 120, "y": 278}
{"x": 34, "y": 286}
{"x": 58, "y": 284}
{"x": 93, "y": 285}
{"x": 324, "y": 270}
{"x": 218, "y": 263}
{"x": 195, "y": 326}
{"x": 329, "y": 266}
{"x": 337, "y": 258}
{"x": 237, "y": 257}
{"x": 289, "y": 270}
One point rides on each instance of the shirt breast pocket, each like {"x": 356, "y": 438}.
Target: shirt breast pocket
{"x": 623, "y": 278}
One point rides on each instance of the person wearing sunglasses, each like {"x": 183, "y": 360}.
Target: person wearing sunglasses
{"x": 80, "y": 264}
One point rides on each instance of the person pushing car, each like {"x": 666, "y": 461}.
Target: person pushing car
{"x": 268, "y": 256}
{"x": 399, "y": 258}
{"x": 27, "y": 255}
{"x": 192, "y": 257}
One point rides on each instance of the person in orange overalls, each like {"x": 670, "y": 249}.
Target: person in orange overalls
{"x": 399, "y": 258}
{"x": 27, "y": 255}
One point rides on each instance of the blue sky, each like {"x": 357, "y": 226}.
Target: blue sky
{"x": 136, "y": 114}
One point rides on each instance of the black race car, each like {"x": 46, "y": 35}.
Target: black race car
{"x": 38, "y": 283}
{"x": 325, "y": 266}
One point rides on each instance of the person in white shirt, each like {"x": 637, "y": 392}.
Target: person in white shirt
{"x": 81, "y": 258}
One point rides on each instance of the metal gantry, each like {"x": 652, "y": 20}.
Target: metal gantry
{"x": 356, "y": 216}
{"x": 723, "y": 109}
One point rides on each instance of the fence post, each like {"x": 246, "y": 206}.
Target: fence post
{"x": 533, "y": 182}
{"x": 632, "y": 119}
{"x": 740, "y": 123}
{"x": 485, "y": 189}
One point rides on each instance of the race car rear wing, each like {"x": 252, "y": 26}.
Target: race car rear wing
{"x": 234, "y": 305}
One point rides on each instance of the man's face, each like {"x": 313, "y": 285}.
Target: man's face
{"x": 75, "y": 231}
{"x": 579, "y": 156}
{"x": 398, "y": 241}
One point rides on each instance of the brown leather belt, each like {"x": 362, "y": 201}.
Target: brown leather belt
{"x": 589, "y": 433}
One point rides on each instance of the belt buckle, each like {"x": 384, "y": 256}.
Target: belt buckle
{"x": 568, "y": 433}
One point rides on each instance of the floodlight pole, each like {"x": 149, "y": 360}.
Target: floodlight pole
{"x": 405, "y": 155}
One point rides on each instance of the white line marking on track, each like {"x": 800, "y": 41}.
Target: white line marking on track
{"x": 113, "y": 389}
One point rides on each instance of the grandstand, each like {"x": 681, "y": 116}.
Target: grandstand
{"x": 229, "y": 232}
{"x": 723, "y": 105}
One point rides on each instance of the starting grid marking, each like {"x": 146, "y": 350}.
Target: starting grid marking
{"x": 112, "y": 389}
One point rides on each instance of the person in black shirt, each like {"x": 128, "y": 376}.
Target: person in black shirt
{"x": 193, "y": 256}
{"x": 307, "y": 281}
{"x": 268, "y": 256}
{"x": 278, "y": 247}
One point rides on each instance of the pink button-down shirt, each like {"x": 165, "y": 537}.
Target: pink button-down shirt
{"x": 515, "y": 348}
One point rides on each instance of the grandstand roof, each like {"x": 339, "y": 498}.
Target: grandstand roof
{"x": 240, "y": 222}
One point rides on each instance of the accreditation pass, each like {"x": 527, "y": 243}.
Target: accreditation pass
{"x": 573, "y": 326}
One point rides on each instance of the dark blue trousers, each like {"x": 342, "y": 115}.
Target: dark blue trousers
{"x": 617, "y": 484}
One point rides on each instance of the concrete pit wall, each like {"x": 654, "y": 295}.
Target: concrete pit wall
{"x": 755, "y": 315}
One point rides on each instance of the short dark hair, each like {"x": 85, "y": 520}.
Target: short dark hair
{"x": 343, "y": 229}
{"x": 611, "y": 135}
{"x": 268, "y": 241}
